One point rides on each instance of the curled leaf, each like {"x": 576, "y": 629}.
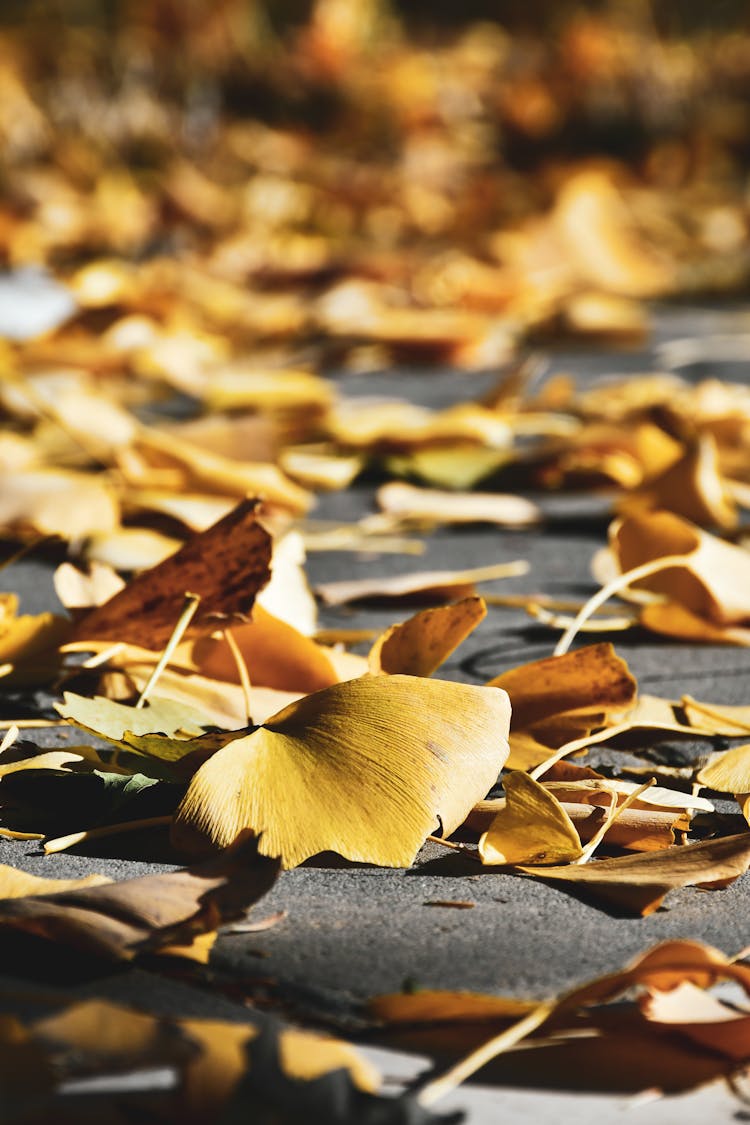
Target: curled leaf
{"x": 590, "y": 680}
{"x": 121, "y": 920}
{"x": 408, "y": 504}
{"x": 435, "y": 585}
{"x": 639, "y": 883}
{"x": 418, "y": 646}
{"x": 533, "y": 827}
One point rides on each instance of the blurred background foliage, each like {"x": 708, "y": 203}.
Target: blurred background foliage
{"x": 304, "y": 142}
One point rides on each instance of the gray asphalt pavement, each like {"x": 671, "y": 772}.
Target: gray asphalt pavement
{"x": 352, "y": 931}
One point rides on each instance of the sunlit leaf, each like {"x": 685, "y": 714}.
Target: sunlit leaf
{"x": 419, "y": 645}
{"x": 367, "y": 768}
{"x": 533, "y": 827}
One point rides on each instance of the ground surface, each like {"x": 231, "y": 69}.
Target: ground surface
{"x": 354, "y": 931}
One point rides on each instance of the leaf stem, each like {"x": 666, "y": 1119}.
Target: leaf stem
{"x": 192, "y": 601}
{"x": 611, "y": 588}
{"x": 612, "y": 815}
{"x": 242, "y": 672}
{"x": 478, "y": 1058}
{"x": 62, "y": 843}
{"x": 577, "y": 744}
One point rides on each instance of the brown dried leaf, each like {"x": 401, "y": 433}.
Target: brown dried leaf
{"x": 226, "y": 565}
{"x": 639, "y": 883}
{"x": 591, "y": 680}
{"x": 121, "y": 920}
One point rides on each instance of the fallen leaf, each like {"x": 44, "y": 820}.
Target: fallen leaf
{"x": 231, "y": 388}
{"x": 709, "y": 581}
{"x": 417, "y": 750}
{"x": 591, "y": 679}
{"x": 728, "y": 772}
{"x": 418, "y": 646}
{"x": 321, "y": 467}
{"x": 673, "y": 620}
{"x": 717, "y": 718}
{"x": 77, "y": 589}
{"x": 702, "y": 1019}
{"x": 226, "y": 565}
{"x": 593, "y": 1037}
{"x": 452, "y": 466}
{"x": 162, "y": 729}
{"x": 130, "y": 548}
{"x": 60, "y": 502}
{"x": 435, "y": 585}
{"x": 204, "y": 469}
{"x": 593, "y": 221}
{"x": 636, "y": 829}
{"x": 639, "y": 883}
{"x": 122, "y": 920}
{"x": 532, "y": 827}
{"x": 275, "y": 654}
{"x": 29, "y": 644}
{"x": 19, "y": 884}
{"x": 691, "y": 487}
{"x": 408, "y": 504}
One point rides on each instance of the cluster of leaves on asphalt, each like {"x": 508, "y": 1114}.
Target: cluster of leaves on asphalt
{"x": 226, "y": 266}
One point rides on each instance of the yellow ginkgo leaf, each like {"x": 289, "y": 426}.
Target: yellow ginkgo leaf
{"x": 275, "y": 653}
{"x": 728, "y": 772}
{"x": 367, "y": 768}
{"x": 710, "y": 579}
{"x": 449, "y": 466}
{"x": 716, "y": 718}
{"x": 692, "y": 487}
{"x": 533, "y": 827}
{"x": 420, "y": 645}
{"x": 28, "y": 645}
